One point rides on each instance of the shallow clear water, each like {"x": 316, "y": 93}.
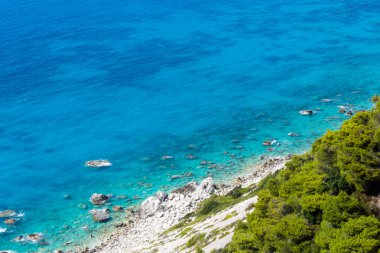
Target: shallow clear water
{"x": 132, "y": 81}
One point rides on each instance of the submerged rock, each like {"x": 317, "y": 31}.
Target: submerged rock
{"x": 121, "y": 197}
{"x": 10, "y": 221}
{"x": 204, "y": 162}
{"x": 98, "y": 199}
{"x": 167, "y": 157}
{"x": 146, "y": 185}
{"x": 100, "y": 215}
{"x": 270, "y": 142}
{"x": 117, "y": 208}
{"x": 82, "y": 206}
{"x": 7, "y": 213}
{"x": 190, "y": 157}
{"x": 186, "y": 174}
{"x": 267, "y": 143}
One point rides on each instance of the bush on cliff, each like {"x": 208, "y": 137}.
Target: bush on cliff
{"x": 320, "y": 201}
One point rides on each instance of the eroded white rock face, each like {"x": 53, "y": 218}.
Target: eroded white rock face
{"x": 161, "y": 196}
{"x": 179, "y": 201}
{"x": 207, "y": 186}
{"x": 150, "y": 206}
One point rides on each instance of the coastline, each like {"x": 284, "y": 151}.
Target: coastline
{"x": 156, "y": 214}
{"x": 168, "y": 92}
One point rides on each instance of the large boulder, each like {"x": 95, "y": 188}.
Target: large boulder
{"x": 98, "y": 199}
{"x": 207, "y": 186}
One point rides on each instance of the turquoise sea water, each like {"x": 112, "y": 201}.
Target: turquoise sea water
{"x": 132, "y": 81}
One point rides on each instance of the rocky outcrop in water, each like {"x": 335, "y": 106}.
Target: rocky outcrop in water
{"x": 7, "y": 213}
{"x": 98, "y": 199}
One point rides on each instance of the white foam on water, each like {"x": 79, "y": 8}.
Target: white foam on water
{"x": 20, "y": 214}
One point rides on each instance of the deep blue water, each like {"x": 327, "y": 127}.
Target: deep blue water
{"x": 132, "y": 81}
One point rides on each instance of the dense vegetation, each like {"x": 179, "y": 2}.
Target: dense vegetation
{"x": 325, "y": 200}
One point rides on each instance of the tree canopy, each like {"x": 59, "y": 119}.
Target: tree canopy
{"x": 321, "y": 201}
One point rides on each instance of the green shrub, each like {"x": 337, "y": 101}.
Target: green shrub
{"x": 199, "y": 250}
{"x": 208, "y": 206}
{"x": 197, "y": 239}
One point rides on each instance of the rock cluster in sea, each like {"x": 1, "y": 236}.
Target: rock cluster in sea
{"x": 11, "y": 218}
{"x": 31, "y": 238}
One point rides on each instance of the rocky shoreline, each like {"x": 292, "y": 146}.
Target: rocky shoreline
{"x": 161, "y": 211}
